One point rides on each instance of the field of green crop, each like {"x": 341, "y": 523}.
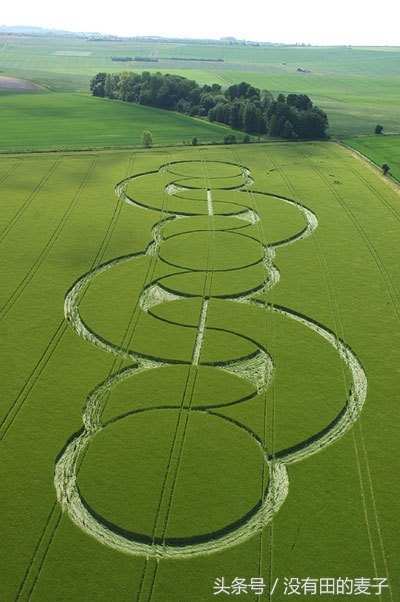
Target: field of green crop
{"x": 49, "y": 121}
{"x": 358, "y": 87}
{"x": 187, "y": 363}
{"x": 380, "y": 150}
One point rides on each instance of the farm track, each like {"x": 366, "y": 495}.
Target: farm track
{"x": 55, "y": 338}
{"x": 151, "y": 569}
{"x": 394, "y": 298}
{"x": 357, "y": 444}
{"x": 10, "y": 171}
{"x": 377, "y": 194}
{"x": 15, "y": 295}
{"x": 28, "y": 201}
{"x": 265, "y": 552}
{"x": 157, "y": 546}
{"x": 33, "y": 571}
{"x": 340, "y": 330}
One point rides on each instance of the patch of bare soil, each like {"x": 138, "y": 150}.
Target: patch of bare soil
{"x": 12, "y": 83}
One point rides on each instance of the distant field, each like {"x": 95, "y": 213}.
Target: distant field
{"x": 355, "y": 103}
{"x": 13, "y": 84}
{"x": 203, "y": 357}
{"x": 380, "y": 149}
{"x": 358, "y": 87}
{"x": 59, "y": 121}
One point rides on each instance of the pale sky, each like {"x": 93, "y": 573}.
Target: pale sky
{"x": 356, "y": 22}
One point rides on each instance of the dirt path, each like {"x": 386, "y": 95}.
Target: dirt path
{"x": 12, "y": 83}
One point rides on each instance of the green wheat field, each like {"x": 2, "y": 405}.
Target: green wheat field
{"x": 200, "y": 345}
{"x": 204, "y": 360}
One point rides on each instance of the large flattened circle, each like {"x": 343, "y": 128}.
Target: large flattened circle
{"x": 207, "y": 169}
{"x": 132, "y": 481}
{"x": 211, "y": 251}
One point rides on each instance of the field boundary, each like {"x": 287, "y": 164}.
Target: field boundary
{"x": 393, "y": 182}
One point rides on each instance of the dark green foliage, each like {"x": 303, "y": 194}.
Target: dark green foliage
{"x": 379, "y": 129}
{"x": 243, "y": 90}
{"x": 122, "y": 59}
{"x": 288, "y": 130}
{"x": 111, "y": 85}
{"x": 299, "y": 101}
{"x": 311, "y": 124}
{"x": 235, "y": 115}
{"x": 145, "y": 59}
{"x": 147, "y": 139}
{"x": 385, "y": 168}
{"x": 195, "y": 141}
{"x": 97, "y": 84}
{"x": 240, "y": 106}
{"x": 230, "y": 139}
{"x": 250, "y": 117}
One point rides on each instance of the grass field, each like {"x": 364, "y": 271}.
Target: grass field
{"x": 358, "y": 87}
{"x": 380, "y": 150}
{"x": 173, "y": 418}
{"x": 48, "y": 121}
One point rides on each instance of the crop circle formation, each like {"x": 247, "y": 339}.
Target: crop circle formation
{"x": 218, "y": 245}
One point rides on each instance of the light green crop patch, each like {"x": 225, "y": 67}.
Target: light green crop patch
{"x": 72, "y": 53}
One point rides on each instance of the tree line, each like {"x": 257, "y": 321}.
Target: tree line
{"x": 241, "y": 106}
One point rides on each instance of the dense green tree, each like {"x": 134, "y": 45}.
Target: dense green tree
{"x": 235, "y": 115}
{"x": 194, "y": 96}
{"x": 110, "y": 87}
{"x": 379, "y": 129}
{"x": 145, "y": 97}
{"x": 266, "y": 99}
{"x": 211, "y": 115}
{"x": 216, "y": 89}
{"x": 288, "y": 130}
{"x": 299, "y": 101}
{"x": 250, "y": 118}
{"x": 184, "y": 106}
{"x": 311, "y": 124}
{"x": 207, "y": 101}
{"x": 262, "y": 126}
{"x": 292, "y": 99}
{"x": 147, "y": 139}
{"x": 232, "y": 92}
{"x": 303, "y": 102}
{"x": 273, "y": 126}
{"x": 222, "y": 112}
{"x": 128, "y": 86}
{"x": 97, "y": 84}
